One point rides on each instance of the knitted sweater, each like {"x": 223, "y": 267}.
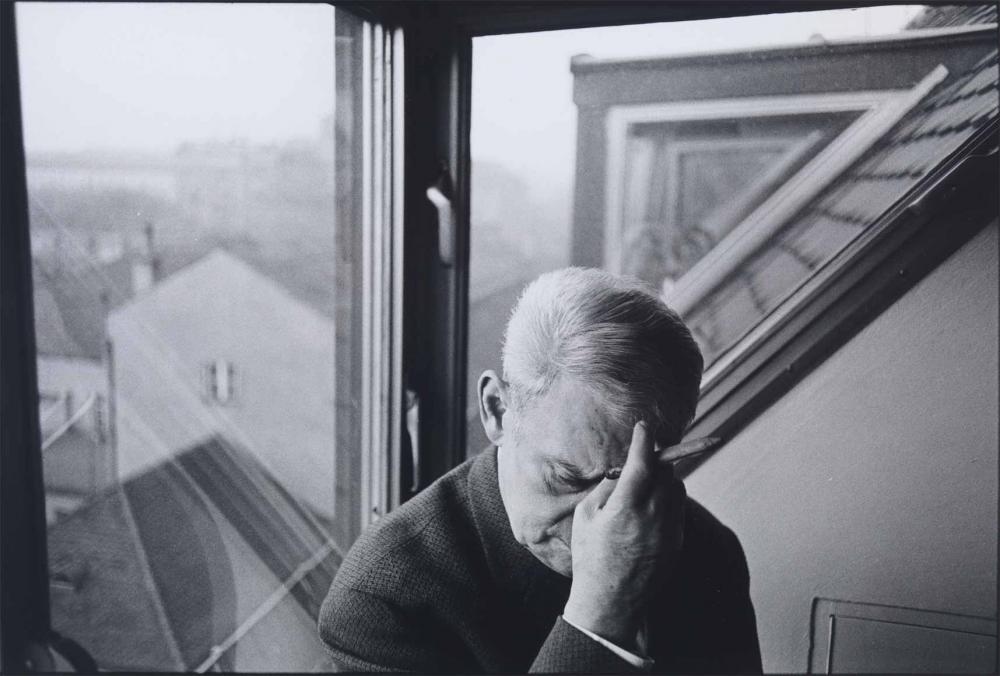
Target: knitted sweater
{"x": 440, "y": 585}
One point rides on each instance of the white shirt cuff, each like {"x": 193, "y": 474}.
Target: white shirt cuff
{"x": 633, "y": 659}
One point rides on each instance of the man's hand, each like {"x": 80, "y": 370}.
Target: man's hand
{"x": 625, "y": 532}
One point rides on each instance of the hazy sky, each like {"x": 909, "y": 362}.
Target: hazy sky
{"x": 522, "y": 108}
{"x": 147, "y": 76}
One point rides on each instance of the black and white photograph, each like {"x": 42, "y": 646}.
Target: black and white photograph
{"x": 496, "y": 336}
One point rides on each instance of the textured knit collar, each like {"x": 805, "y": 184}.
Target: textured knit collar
{"x": 516, "y": 572}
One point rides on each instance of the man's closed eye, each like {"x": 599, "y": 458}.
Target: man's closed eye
{"x": 571, "y": 481}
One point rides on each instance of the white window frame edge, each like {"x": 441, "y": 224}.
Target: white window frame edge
{"x": 785, "y": 308}
{"x": 880, "y": 111}
{"x": 382, "y": 270}
{"x": 396, "y": 412}
{"x": 621, "y": 118}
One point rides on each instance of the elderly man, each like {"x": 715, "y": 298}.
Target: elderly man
{"x": 568, "y": 546}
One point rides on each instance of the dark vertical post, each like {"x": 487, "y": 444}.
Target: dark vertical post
{"x": 435, "y": 309}
{"x": 24, "y": 598}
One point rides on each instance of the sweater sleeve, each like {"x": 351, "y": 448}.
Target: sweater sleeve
{"x": 365, "y": 633}
{"x": 369, "y": 634}
{"x": 717, "y": 630}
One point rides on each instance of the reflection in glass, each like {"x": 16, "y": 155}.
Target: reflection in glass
{"x": 192, "y": 303}
{"x": 689, "y": 184}
{"x": 725, "y": 162}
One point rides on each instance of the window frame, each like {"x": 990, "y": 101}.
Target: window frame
{"x": 24, "y": 572}
{"x": 27, "y": 640}
{"x": 871, "y": 108}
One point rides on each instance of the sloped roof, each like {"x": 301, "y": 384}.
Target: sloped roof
{"x": 68, "y": 462}
{"x": 101, "y": 594}
{"x": 155, "y": 585}
{"x": 924, "y": 139}
{"x": 51, "y": 336}
{"x": 945, "y": 16}
{"x": 218, "y": 270}
{"x": 72, "y": 300}
{"x": 918, "y": 144}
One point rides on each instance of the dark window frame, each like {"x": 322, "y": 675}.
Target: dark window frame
{"x": 24, "y": 586}
{"x": 437, "y": 111}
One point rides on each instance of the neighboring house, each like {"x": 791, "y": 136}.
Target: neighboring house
{"x": 73, "y": 393}
{"x": 690, "y": 164}
{"x": 865, "y": 496}
{"x": 202, "y": 560}
{"x": 217, "y": 348}
{"x": 188, "y": 448}
{"x": 73, "y": 296}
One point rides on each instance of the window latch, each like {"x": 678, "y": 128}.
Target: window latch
{"x": 440, "y": 194}
{"x": 413, "y": 430}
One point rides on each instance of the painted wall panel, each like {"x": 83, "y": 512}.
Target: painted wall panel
{"x": 875, "y": 479}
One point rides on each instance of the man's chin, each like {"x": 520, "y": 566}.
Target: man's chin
{"x": 557, "y": 560}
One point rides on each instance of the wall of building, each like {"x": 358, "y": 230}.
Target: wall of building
{"x": 875, "y": 479}
{"x": 79, "y": 379}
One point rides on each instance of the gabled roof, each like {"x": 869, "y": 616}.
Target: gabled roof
{"x": 944, "y": 16}
{"x": 51, "y": 336}
{"x": 217, "y": 274}
{"x": 152, "y": 561}
{"x": 70, "y": 462}
{"x": 74, "y": 298}
{"x": 918, "y": 144}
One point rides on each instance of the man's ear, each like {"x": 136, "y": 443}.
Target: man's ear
{"x": 493, "y": 403}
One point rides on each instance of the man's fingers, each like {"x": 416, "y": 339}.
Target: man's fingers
{"x": 597, "y": 497}
{"x": 637, "y": 475}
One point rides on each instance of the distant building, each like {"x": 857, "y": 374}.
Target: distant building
{"x": 281, "y": 193}
{"x": 219, "y": 349}
{"x": 98, "y": 170}
{"x": 188, "y": 449}
{"x": 272, "y": 192}
{"x": 72, "y": 299}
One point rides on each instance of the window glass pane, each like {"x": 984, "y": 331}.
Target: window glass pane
{"x": 195, "y": 276}
{"x": 724, "y": 161}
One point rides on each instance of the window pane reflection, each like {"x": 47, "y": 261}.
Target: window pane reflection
{"x": 725, "y": 162}
{"x": 193, "y": 283}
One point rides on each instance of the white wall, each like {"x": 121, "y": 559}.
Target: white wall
{"x": 875, "y": 478}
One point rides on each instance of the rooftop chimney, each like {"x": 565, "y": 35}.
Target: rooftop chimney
{"x": 145, "y": 266}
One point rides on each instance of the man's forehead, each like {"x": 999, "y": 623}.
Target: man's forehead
{"x": 579, "y": 428}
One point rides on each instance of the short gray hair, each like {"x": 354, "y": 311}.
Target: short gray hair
{"x": 611, "y": 334}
